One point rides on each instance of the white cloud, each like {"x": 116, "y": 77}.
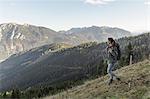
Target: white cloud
{"x": 147, "y": 2}
{"x": 98, "y": 2}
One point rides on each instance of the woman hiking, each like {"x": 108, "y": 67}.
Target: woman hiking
{"x": 113, "y": 52}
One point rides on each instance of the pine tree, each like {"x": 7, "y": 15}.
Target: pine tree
{"x": 125, "y": 58}
{"x": 16, "y": 94}
{"x": 4, "y": 95}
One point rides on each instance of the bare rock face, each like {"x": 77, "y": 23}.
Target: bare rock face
{"x": 16, "y": 38}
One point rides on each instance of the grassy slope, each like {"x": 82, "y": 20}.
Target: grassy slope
{"x": 134, "y": 84}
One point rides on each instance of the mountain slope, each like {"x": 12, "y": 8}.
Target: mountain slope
{"x": 33, "y": 67}
{"x": 27, "y": 57}
{"x": 95, "y": 33}
{"x": 15, "y": 38}
{"x": 134, "y": 84}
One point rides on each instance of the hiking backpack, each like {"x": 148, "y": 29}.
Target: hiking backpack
{"x": 118, "y": 51}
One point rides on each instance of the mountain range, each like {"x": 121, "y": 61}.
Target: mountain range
{"x": 55, "y": 63}
{"x": 16, "y": 38}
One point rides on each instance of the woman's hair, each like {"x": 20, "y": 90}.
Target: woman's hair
{"x": 112, "y": 41}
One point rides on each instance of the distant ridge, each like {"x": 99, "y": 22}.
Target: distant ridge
{"x": 15, "y": 37}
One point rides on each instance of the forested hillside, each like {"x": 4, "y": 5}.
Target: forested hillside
{"x": 62, "y": 69}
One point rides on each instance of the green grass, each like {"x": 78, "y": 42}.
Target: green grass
{"x": 135, "y": 84}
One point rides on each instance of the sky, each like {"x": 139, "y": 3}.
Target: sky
{"x": 132, "y": 15}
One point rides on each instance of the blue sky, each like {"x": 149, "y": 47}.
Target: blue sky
{"x": 132, "y": 15}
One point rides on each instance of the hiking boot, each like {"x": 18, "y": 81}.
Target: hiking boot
{"x": 110, "y": 81}
{"x": 118, "y": 79}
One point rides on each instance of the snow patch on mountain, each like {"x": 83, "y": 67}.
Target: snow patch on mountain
{"x": 13, "y": 33}
{"x": 0, "y": 34}
{"x": 19, "y": 36}
{"x": 3, "y": 26}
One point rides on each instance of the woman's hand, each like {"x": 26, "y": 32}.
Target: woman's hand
{"x": 110, "y": 50}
